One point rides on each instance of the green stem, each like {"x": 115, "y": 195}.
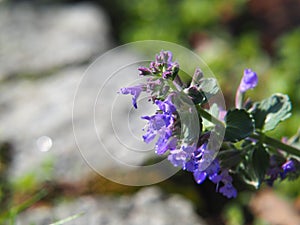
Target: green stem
{"x": 276, "y": 144}
{"x": 206, "y": 115}
{"x": 259, "y": 136}
{"x": 239, "y": 97}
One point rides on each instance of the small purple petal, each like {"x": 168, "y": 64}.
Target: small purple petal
{"x": 228, "y": 190}
{"x": 215, "y": 178}
{"x": 288, "y": 167}
{"x": 148, "y": 137}
{"x": 213, "y": 168}
{"x": 166, "y": 106}
{"x": 189, "y": 149}
{"x": 190, "y": 165}
{"x": 199, "y": 176}
{"x": 177, "y": 157}
{"x": 134, "y": 91}
{"x": 164, "y": 144}
{"x": 144, "y": 71}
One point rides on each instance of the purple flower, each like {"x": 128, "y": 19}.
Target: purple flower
{"x": 164, "y": 144}
{"x": 288, "y": 167}
{"x": 155, "y": 123}
{"x": 214, "y": 174}
{"x": 183, "y": 157}
{"x": 228, "y": 190}
{"x": 205, "y": 156}
{"x": 190, "y": 165}
{"x": 200, "y": 176}
{"x": 135, "y": 91}
{"x": 211, "y": 172}
{"x": 166, "y": 106}
{"x": 164, "y": 57}
{"x": 144, "y": 71}
{"x": 278, "y": 170}
{"x": 249, "y": 80}
{"x": 178, "y": 157}
{"x": 162, "y": 124}
{"x": 163, "y": 65}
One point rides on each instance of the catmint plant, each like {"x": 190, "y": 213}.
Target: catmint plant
{"x": 246, "y": 152}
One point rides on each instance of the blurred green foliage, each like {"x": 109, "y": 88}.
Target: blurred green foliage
{"x": 170, "y": 20}
{"x": 209, "y": 28}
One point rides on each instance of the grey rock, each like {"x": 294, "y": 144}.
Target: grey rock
{"x": 148, "y": 206}
{"x": 38, "y": 39}
{"x": 100, "y": 137}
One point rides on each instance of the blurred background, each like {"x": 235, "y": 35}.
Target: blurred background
{"x": 45, "y": 47}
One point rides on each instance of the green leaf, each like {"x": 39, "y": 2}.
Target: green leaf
{"x": 214, "y": 111}
{"x": 209, "y": 86}
{"x": 229, "y": 158}
{"x": 190, "y": 121}
{"x": 239, "y": 125}
{"x": 246, "y": 171}
{"x": 260, "y": 162}
{"x": 271, "y": 111}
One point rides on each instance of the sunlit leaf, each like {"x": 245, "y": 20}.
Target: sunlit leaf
{"x": 271, "y": 111}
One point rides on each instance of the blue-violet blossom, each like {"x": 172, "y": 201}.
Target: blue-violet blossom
{"x": 162, "y": 124}
{"x": 135, "y": 91}
{"x": 249, "y": 80}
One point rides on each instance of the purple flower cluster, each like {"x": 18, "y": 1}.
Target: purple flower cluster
{"x": 195, "y": 159}
{"x": 281, "y": 170}
{"x": 187, "y": 145}
{"x": 165, "y": 124}
{"x": 163, "y": 65}
{"x": 189, "y": 157}
{"x": 162, "y": 124}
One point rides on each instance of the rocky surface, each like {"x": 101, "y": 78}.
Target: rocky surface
{"x": 148, "y": 206}
{"x": 43, "y": 108}
{"x": 36, "y": 114}
{"x": 37, "y": 40}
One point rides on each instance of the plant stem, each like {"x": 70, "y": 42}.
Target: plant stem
{"x": 276, "y": 144}
{"x": 239, "y": 96}
{"x": 258, "y": 136}
{"x": 206, "y": 115}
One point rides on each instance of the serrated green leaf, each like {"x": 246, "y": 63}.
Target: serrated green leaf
{"x": 260, "y": 162}
{"x": 271, "y": 111}
{"x": 239, "y": 125}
